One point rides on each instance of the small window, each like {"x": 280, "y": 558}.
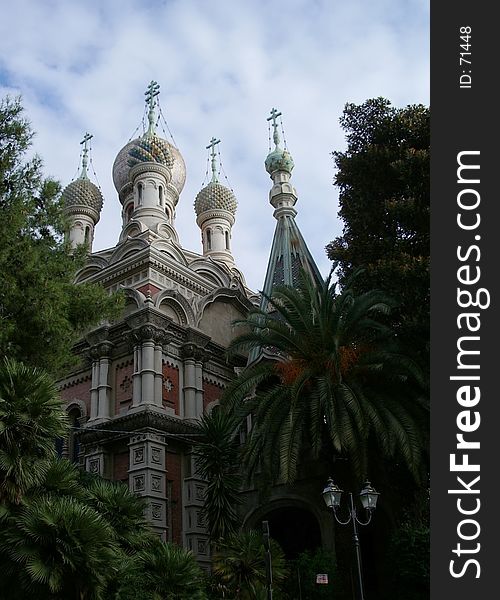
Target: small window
{"x": 129, "y": 211}
{"x": 160, "y": 192}
{"x": 209, "y": 239}
{"x": 87, "y": 235}
{"x": 139, "y": 192}
{"x": 227, "y": 240}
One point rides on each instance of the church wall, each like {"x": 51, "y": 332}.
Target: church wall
{"x": 78, "y": 391}
{"x": 174, "y": 478}
{"x": 120, "y": 466}
{"x": 217, "y": 322}
{"x": 123, "y": 386}
{"x": 211, "y": 393}
{"x": 171, "y": 392}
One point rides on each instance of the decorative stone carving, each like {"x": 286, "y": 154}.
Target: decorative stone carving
{"x": 156, "y": 455}
{"x": 156, "y": 482}
{"x": 138, "y": 483}
{"x": 138, "y": 455}
{"x": 156, "y": 511}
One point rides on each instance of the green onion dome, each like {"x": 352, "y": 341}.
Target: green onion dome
{"x": 279, "y": 160}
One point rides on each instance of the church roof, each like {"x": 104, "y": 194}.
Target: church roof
{"x": 289, "y": 254}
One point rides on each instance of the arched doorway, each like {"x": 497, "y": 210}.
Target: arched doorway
{"x": 295, "y": 528}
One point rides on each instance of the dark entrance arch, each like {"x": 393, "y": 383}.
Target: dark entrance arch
{"x": 295, "y": 529}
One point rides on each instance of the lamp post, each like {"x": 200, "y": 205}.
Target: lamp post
{"x": 332, "y": 495}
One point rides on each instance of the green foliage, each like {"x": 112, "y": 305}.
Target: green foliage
{"x": 163, "y": 572}
{"x": 339, "y": 378}
{"x": 303, "y": 570}
{"x": 217, "y": 457}
{"x": 42, "y": 311}
{"x": 31, "y": 418}
{"x": 383, "y": 181}
{"x": 240, "y": 563}
{"x": 409, "y": 551}
{"x": 65, "y": 534}
{"x": 61, "y": 549}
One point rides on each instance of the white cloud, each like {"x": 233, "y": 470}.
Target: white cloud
{"x": 221, "y": 67}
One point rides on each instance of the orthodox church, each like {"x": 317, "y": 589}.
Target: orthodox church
{"x": 145, "y": 379}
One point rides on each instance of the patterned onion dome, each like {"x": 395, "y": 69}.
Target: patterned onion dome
{"x": 149, "y": 148}
{"x": 279, "y": 160}
{"x": 215, "y": 196}
{"x": 82, "y": 193}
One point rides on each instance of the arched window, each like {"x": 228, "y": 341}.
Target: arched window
{"x": 74, "y": 416}
{"x": 227, "y": 239}
{"x": 87, "y": 235}
{"x": 139, "y": 193}
{"x": 209, "y": 239}
{"x": 129, "y": 211}
{"x": 160, "y": 192}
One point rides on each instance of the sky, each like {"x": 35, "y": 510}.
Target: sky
{"x": 221, "y": 65}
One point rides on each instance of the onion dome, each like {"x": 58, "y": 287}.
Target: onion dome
{"x": 278, "y": 159}
{"x": 82, "y": 193}
{"x": 215, "y": 196}
{"x": 149, "y": 149}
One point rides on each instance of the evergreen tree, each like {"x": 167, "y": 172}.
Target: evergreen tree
{"x": 42, "y": 311}
{"x": 383, "y": 181}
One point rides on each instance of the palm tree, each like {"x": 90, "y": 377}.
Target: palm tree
{"x": 240, "y": 563}
{"x": 31, "y": 418}
{"x": 122, "y": 510}
{"x": 59, "y": 548}
{"x": 217, "y": 455}
{"x": 337, "y": 381}
{"x": 163, "y": 572}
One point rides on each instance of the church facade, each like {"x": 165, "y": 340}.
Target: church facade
{"x": 145, "y": 379}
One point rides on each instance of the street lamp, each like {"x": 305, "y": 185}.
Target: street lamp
{"x": 332, "y": 495}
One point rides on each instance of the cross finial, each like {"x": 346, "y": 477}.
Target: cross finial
{"x": 86, "y": 138}
{"x": 151, "y": 93}
{"x": 274, "y": 115}
{"x": 211, "y": 146}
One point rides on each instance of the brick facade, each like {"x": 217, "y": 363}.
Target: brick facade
{"x": 123, "y": 386}
{"x": 171, "y": 390}
{"x": 211, "y": 393}
{"x": 78, "y": 391}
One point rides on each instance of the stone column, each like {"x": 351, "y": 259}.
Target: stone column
{"x": 104, "y": 388}
{"x": 199, "y": 386}
{"x": 189, "y": 389}
{"x": 100, "y": 391}
{"x": 136, "y": 377}
{"x": 94, "y": 386}
{"x": 148, "y": 365}
{"x": 159, "y": 339}
{"x": 147, "y": 476}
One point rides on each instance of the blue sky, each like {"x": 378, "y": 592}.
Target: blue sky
{"x": 221, "y": 65}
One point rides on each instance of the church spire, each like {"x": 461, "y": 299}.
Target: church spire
{"x": 289, "y": 252}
